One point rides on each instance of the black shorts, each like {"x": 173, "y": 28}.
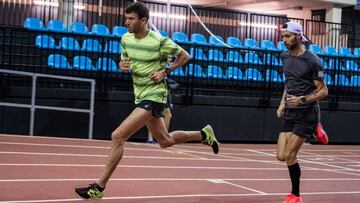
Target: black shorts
{"x": 301, "y": 122}
{"x": 156, "y": 108}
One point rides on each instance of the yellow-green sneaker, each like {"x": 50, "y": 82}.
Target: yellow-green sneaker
{"x": 94, "y": 191}
{"x": 210, "y": 138}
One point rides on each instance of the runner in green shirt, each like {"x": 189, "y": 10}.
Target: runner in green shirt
{"x": 144, "y": 54}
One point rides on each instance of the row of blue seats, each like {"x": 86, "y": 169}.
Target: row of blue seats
{"x": 216, "y": 40}
{"x": 58, "y": 61}
{"x": 254, "y": 58}
{"x": 181, "y": 37}
{"x": 76, "y": 27}
{"x": 71, "y": 44}
{"x": 232, "y": 72}
{"x": 336, "y": 64}
{"x": 234, "y": 57}
{"x": 331, "y": 51}
{"x": 255, "y": 75}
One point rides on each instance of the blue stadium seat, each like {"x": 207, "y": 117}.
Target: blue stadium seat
{"x": 178, "y": 72}
{"x": 83, "y": 63}
{"x": 215, "y": 55}
{"x": 316, "y": 49}
{"x": 323, "y": 62}
{"x": 267, "y": 44}
{"x": 215, "y": 72}
{"x": 100, "y": 29}
{"x": 355, "y": 81}
{"x": 214, "y": 40}
{"x": 197, "y": 38}
{"x": 180, "y": 37}
{"x": 341, "y": 80}
{"x": 351, "y": 65}
{"x": 330, "y": 50}
{"x": 234, "y": 73}
{"x": 270, "y": 59}
{"x": 273, "y": 75}
{"x": 334, "y": 64}
{"x": 344, "y": 51}
{"x": 252, "y": 58}
{"x": 58, "y": 61}
{"x": 328, "y": 79}
{"x": 357, "y": 52}
{"x": 253, "y": 74}
{"x": 56, "y": 26}
{"x": 45, "y": 41}
{"x": 119, "y": 31}
{"x": 79, "y": 28}
{"x": 33, "y": 24}
{"x": 69, "y": 43}
{"x": 112, "y": 47}
{"x": 164, "y": 33}
{"x": 251, "y": 43}
{"x": 197, "y": 53}
{"x": 194, "y": 70}
{"x": 234, "y": 42}
{"x": 91, "y": 45}
{"x": 281, "y": 46}
{"x": 234, "y": 57}
{"x": 107, "y": 64}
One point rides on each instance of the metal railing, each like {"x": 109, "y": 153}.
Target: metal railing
{"x": 33, "y": 105}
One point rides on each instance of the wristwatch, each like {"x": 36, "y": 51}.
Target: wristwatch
{"x": 302, "y": 99}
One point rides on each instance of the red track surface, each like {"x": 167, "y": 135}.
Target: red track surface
{"x": 42, "y": 169}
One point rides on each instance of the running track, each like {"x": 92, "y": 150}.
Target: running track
{"x": 43, "y": 169}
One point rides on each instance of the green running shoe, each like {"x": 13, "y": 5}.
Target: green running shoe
{"x": 94, "y": 191}
{"x": 210, "y": 138}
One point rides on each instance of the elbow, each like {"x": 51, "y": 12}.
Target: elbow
{"x": 186, "y": 56}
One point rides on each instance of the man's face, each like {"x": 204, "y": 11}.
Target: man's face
{"x": 291, "y": 40}
{"x": 133, "y": 23}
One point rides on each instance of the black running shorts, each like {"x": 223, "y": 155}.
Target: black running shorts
{"x": 302, "y": 121}
{"x": 156, "y": 108}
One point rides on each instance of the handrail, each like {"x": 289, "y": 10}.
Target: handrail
{"x": 33, "y": 105}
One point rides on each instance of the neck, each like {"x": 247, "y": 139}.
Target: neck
{"x": 142, "y": 33}
{"x": 298, "y": 50}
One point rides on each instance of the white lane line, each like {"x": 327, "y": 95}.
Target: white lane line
{"x": 52, "y": 138}
{"x": 139, "y": 166}
{"x": 177, "y": 179}
{"x": 77, "y": 146}
{"x": 221, "y": 181}
{"x": 328, "y": 165}
{"x": 185, "y": 196}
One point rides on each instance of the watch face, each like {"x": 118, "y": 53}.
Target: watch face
{"x": 303, "y": 99}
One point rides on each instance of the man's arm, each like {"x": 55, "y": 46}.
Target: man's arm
{"x": 320, "y": 92}
{"x": 182, "y": 58}
{"x": 280, "y": 111}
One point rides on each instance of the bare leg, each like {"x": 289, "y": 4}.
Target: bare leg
{"x": 165, "y": 139}
{"x": 167, "y": 119}
{"x": 136, "y": 120}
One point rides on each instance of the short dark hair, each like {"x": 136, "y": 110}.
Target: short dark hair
{"x": 139, "y": 8}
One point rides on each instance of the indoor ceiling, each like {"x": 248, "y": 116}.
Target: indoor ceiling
{"x": 259, "y": 6}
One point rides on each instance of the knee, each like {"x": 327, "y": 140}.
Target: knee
{"x": 280, "y": 157}
{"x": 290, "y": 158}
{"x": 118, "y": 137}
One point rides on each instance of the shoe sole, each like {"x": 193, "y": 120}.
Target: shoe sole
{"x": 85, "y": 198}
{"x": 216, "y": 151}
